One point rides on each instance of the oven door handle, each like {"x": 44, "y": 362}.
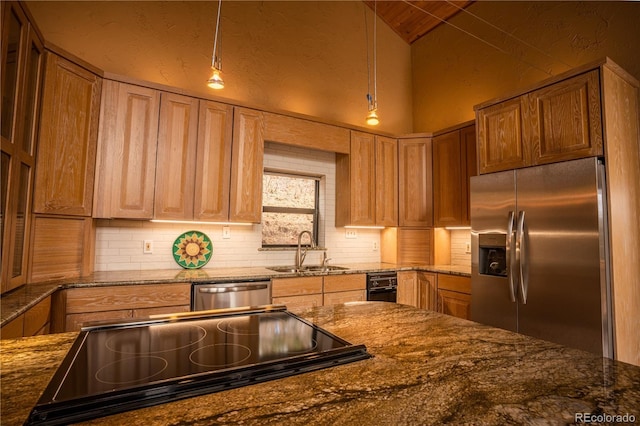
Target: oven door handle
{"x": 382, "y": 289}
{"x": 234, "y": 289}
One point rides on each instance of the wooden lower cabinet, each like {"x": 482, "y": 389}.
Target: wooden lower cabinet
{"x": 297, "y": 293}
{"x": 344, "y": 288}
{"x": 34, "y": 322}
{"x": 74, "y": 307}
{"x": 454, "y": 295}
{"x": 417, "y": 289}
{"x": 306, "y": 292}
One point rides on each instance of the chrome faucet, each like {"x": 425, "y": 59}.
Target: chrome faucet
{"x": 300, "y": 254}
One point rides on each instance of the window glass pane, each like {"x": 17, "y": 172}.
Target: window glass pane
{"x": 4, "y": 173}
{"x": 287, "y": 191}
{"x": 33, "y": 72}
{"x": 284, "y": 228}
{"x": 20, "y": 221}
{"x": 10, "y": 77}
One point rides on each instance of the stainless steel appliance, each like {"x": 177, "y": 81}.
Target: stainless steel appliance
{"x": 117, "y": 367}
{"x": 539, "y": 253}
{"x": 382, "y": 286}
{"x": 225, "y": 294}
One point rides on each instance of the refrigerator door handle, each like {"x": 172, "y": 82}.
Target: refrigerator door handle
{"x": 508, "y": 249}
{"x": 521, "y": 258}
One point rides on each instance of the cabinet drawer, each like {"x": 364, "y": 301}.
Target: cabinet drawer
{"x": 74, "y": 322}
{"x": 113, "y": 298}
{"x": 296, "y": 286}
{"x": 344, "y": 297}
{"x": 298, "y": 303}
{"x": 345, "y": 282}
{"x": 162, "y": 310}
{"x": 12, "y": 330}
{"x": 37, "y": 317}
{"x": 454, "y": 283}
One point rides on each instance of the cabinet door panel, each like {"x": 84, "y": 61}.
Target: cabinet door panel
{"x": 427, "y": 291}
{"x": 407, "y": 288}
{"x": 67, "y": 140}
{"x": 470, "y": 164}
{"x": 126, "y": 163}
{"x": 246, "y": 166}
{"x": 447, "y": 180}
{"x": 500, "y": 138}
{"x": 175, "y": 174}
{"x": 565, "y": 120}
{"x": 213, "y": 161}
{"x": 386, "y": 174}
{"x": 415, "y": 177}
{"x": 362, "y": 177}
{"x": 345, "y": 297}
{"x": 455, "y": 304}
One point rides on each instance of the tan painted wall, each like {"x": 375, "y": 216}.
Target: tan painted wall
{"x": 307, "y": 57}
{"x": 453, "y": 71}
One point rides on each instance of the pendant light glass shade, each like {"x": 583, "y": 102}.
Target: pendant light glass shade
{"x": 215, "y": 81}
{"x": 372, "y": 118}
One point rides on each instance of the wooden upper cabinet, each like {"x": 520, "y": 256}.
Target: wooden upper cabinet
{"x": 175, "y": 174}
{"x": 454, "y": 162}
{"x": 213, "y": 161}
{"x": 246, "y": 166}
{"x": 67, "y": 140}
{"x": 415, "y": 182}
{"x": 355, "y": 182}
{"x": 501, "y": 144}
{"x": 448, "y": 178}
{"x": 565, "y": 120}
{"x": 126, "y": 160}
{"x": 559, "y": 122}
{"x": 386, "y": 175}
{"x": 470, "y": 160}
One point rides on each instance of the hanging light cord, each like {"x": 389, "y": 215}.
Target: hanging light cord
{"x": 462, "y": 9}
{"x": 366, "y": 39}
{"x": 478, "y": 38}
{"x": 375, "y": 48}
{"x": 214, "y": 59}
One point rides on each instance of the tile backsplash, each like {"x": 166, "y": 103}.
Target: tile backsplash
{"x": 119, "y": 243}
{"x": 460, "y": 238}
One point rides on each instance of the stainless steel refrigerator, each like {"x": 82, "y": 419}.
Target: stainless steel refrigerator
{"x": 539, "y": 253}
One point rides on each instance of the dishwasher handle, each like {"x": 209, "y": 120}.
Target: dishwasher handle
{"x": 235, "y": 288}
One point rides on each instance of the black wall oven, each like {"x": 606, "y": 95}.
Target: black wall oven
{"x": 382, "y": 286}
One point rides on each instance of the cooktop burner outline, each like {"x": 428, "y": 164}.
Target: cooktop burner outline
{"x": 126, "y": 365}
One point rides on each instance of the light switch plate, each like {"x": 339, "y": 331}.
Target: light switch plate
{"x": 467, "y": 248}
{"x": 350, "y": 233}
{"x": 226, "y": 232}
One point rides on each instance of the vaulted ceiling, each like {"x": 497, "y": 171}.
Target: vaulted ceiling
{"x": 413, "y": 19}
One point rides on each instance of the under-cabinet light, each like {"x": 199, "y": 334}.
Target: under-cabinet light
{"x": 202, "y": 222}
{"x": 363, "y": 227}
{"x": 451, "y": 228}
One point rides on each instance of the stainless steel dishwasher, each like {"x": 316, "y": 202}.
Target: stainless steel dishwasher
{"x": 230, "y": 294}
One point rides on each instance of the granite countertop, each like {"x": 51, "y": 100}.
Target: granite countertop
{"x": 20, "y": 300}
{"x": 427, "y": 368}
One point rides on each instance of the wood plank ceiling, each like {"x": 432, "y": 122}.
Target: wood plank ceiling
{"x": 413, "y": 19}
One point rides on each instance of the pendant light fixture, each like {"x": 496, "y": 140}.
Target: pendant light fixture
{"x": 215, "y": 81}
{"x": 372, "y": 101}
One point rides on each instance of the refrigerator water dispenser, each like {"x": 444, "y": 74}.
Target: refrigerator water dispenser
{"x": 493, "y": 254}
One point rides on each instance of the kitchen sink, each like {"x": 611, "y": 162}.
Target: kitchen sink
{"x": 310, "y": 268}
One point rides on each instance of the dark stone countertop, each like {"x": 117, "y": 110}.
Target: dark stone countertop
{"x": 427, "y": 369}
{"x": 20, "y": 300}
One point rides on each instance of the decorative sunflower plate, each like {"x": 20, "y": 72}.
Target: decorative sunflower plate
{"x": 192, "y": 250}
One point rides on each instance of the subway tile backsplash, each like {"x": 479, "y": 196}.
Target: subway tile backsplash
{"x": 119, "y": 243}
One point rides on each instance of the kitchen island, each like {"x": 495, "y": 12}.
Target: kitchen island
{"x": 427, "y": 368}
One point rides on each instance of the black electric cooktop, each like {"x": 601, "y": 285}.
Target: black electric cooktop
{"x": 123, "y": 366}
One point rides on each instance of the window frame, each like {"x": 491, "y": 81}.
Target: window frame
{"x": 294, "y": 210}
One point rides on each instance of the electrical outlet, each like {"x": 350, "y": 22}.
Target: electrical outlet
{"x": 226, "y": 232}
{"x": 147, "y": 247}
{"x": 467, "y": 248}
{"x": 350, "y": 233}
{"x": 375, "y": 246}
